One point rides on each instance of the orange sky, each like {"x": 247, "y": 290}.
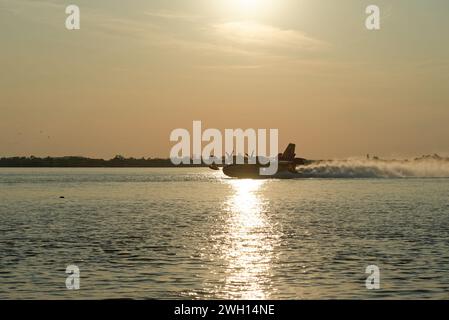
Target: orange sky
{"x": 136, "y": 71}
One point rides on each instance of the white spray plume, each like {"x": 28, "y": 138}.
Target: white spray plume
{"x": 428, "y": 168}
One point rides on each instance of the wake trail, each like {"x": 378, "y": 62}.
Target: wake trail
{"x": 376, "y": 169}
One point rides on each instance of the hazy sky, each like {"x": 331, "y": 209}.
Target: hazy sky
{"x": 138, "y": 69}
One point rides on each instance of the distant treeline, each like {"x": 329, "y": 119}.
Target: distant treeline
{"x": 118, "y": 161}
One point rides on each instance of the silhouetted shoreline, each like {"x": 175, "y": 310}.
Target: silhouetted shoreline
{"x": 122, "y": 162}
{"x": 84, "y": 162}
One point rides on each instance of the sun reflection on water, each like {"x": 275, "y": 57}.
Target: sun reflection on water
{"x": 248, "y": 247}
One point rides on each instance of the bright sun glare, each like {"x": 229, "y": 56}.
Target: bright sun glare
{"x": 249, "y": 7}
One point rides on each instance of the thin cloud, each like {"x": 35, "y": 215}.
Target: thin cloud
{"x": 172, "y": 15}
{"x": 258, "y": 35}
{"x": 246, "y": 40}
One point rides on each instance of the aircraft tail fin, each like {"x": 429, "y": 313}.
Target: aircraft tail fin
{"x": 289, "y": 153}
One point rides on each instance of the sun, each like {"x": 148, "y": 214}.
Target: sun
{"x": 249, "y": 7}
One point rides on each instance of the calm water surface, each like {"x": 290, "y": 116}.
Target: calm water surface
{"x": 195, "y": 234}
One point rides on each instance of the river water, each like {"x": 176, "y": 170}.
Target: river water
{"x": 192, "y": 233}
